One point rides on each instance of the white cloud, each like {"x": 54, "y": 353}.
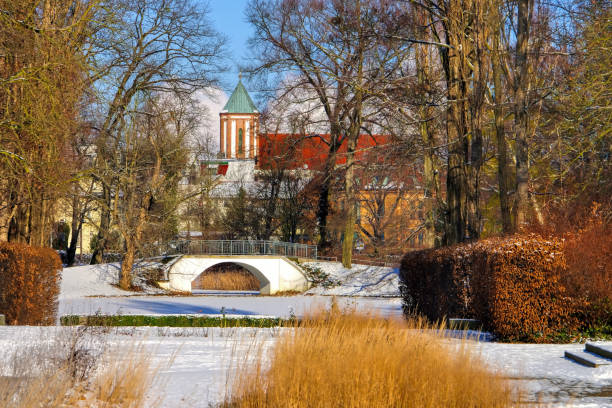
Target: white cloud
{"x": 210, "y": 102}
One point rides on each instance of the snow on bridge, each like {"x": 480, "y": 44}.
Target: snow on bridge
{"x": 275, "y": 273}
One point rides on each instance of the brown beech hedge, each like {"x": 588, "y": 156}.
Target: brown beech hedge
{"x": 512, "y": 285}
{"x": 29, "y": 284}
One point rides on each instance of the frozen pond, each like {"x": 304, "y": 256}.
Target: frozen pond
{"x": 244, "y": 305}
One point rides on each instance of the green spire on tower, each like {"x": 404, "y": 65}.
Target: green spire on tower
{"x": 240, "y": 101}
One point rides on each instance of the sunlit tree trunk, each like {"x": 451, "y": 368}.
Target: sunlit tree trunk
{"x": 500, "y": 133}
{"x": 521, "y": 117}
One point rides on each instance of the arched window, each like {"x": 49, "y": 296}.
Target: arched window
{"x": 240, "y": 141}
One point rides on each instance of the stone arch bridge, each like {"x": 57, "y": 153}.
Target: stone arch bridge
{"x": 272, "y": 263}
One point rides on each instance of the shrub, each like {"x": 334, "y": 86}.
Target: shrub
{"x": 588, "y": 277}
{"x": 349, "y": 360}
{"x": 518, "y": 289}
{"x": 29, "y": 284}
{"x": 173, "y": 321}
{"x": 512, "y": 285}
{"x": 317, "y": 277}
{"x": 434, "y": 283}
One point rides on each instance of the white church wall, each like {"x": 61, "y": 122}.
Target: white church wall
{"x": 232, "y": 152}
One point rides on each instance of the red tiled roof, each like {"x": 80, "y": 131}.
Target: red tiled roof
{"x": 299, "y": 151}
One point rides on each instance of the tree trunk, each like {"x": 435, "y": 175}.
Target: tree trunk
{"x": 125, "y": 278}
{"x": 349, "y": 189}
{"x": 75, "y": 227}
{"x": 103, "y": 231}
{"x": 456, "y": 189}
{"x": 476, "y": 110}
{"x": 353, "y": 137}
{"x": 430, "y": 171}
{"x": 521, "y": 114}
{"x": 502, "y": 146}
{"x": 323, "y": 202}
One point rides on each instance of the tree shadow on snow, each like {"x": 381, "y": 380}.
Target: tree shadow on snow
{"x": 173, "y": 307}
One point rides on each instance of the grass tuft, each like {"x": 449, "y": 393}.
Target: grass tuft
{"x": 75, "y": 369}
{"x": 343, "y": 359}
{"x": 226, "y": 277}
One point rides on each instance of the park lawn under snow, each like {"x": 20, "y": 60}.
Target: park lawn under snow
{"x": 360, "y": 280}
{"x": 95, "y": 280}
{"x": 194, "y": 363}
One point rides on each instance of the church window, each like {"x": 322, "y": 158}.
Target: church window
{"x": 240, "y": 141}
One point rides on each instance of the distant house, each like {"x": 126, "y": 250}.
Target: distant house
{"x": 245, "y": 152}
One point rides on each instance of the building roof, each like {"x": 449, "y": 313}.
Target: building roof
{"x": 240, "y": 101}
{"x": 310, "y": 152}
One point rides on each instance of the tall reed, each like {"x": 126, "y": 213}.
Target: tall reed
{"x": 232, "y": 279}
{"x": 350, "y": 360}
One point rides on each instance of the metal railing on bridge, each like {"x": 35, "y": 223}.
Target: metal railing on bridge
{"x": 231, "y": 247}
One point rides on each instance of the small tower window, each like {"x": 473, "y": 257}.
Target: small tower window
{"x": 240, "y": 141}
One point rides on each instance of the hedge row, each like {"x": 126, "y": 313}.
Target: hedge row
{"x": 173, "y": 321}
{"x": 511, "y": 285}
{"x": 29, "y": 284}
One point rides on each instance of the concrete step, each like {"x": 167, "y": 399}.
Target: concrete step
{"x": 605, "y": 352}
{"x": 587, "y": 359}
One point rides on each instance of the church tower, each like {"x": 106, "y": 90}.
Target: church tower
{"x": 239, "y": 128}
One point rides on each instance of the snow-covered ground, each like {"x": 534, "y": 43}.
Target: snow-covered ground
{"x": 548, "y": 377}
{"x": 236, "y": 305}
{"x": 194, "y": 363}
{"x": 190, "y": 366}
{"x": 360, "y": 280}
{"x": 95, "y": 280}
{"x": 89, "y": 290}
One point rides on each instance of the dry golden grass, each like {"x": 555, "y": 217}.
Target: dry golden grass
{"x": 125, "y": 381}
{"x": 51, "y": 375}
{"x": 350, "y": 360}
{"x": 226, "y": 279}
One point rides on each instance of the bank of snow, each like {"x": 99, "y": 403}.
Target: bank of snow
{"x": 96, "y": 280}
{"x": 360, "y": 280}
{"x": 91, "y": 280}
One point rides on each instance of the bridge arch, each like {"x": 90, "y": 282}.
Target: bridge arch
{"x": 259, "y": 275}
{"x": 274, "y": 273}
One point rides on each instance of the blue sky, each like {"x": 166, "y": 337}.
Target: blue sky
{"x": 228, "y": 18}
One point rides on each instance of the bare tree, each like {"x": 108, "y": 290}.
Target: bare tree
{"x": 336, "y": 52}
{"x": 148, "y": 46}
{"x": 153, "y": 156}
